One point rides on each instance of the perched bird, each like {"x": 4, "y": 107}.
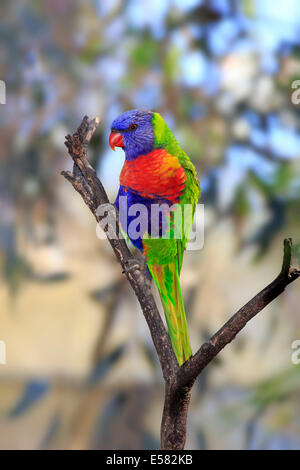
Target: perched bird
{"x": 156, "y": 171}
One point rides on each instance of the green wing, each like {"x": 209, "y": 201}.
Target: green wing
{"x": 165, "y": 255}
{"x": 165, "y": 139}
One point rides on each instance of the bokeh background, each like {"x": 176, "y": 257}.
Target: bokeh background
{"x": 81, "y": 371}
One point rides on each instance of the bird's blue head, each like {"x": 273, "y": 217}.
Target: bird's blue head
{"x": 133, "y": 131}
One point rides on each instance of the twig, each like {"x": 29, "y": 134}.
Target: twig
{"x": 238, "y": 321}
{"x": 178, "y": 380}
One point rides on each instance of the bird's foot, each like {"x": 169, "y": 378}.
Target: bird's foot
{"x": 134, "y": 264}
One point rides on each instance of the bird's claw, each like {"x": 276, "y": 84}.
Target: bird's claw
{"x": 133, "y": 265}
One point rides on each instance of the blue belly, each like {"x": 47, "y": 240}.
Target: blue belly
{"x": 129, "y": 222}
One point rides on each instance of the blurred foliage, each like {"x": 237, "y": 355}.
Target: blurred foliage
{"x": 220, "y": 72}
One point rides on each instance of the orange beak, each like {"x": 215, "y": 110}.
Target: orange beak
{"x": 115, "y": 140}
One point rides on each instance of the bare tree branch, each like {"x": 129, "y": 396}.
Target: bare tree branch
{"x": 178, "y": 380}
{"x": 237, "y": 322}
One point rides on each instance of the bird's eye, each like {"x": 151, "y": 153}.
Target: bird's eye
{"x": 133, "y": 127}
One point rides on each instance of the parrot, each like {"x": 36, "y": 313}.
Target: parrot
{"x": 157, "y": 171}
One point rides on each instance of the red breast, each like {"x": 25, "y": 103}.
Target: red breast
{"x": 156, "y": 174}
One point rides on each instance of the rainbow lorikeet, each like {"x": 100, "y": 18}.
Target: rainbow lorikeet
{"x": 156, "y": 171}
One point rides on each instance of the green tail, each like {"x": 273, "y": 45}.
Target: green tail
{"x": 167, "y": 280}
